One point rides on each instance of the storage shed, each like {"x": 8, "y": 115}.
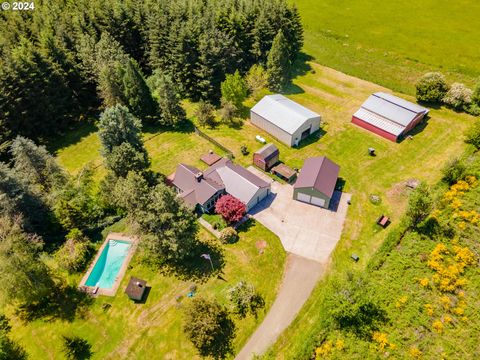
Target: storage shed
{"x": 316, "y": 182}
{"x": 266, "y": 157}
{"x": 284, "y": 119}
{"x": 388, "y": 116}
{"x": 136, "y": 288}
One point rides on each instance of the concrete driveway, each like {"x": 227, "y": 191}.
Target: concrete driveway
{"x": 305, "y": 230}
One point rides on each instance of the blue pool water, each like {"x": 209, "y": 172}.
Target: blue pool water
{"x": 108, "y": 264}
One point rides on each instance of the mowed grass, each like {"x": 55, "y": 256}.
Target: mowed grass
{"x": 336, "y": 97}
{"x": 165, "y": 148}
{"x": 393, "y": 42}
{"x": 154, "y": 329}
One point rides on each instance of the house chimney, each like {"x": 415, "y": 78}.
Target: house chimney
{"x": 199, "y": 176}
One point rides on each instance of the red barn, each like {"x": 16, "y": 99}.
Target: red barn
{"x": 388, "y": 116}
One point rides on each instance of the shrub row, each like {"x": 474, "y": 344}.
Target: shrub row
{"x": 433, "y": 88}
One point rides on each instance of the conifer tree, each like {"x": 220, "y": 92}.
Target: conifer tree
{"x": 167, "y": 96}
{"x": 136, "y": 92}
{"x": 278, "y": 64}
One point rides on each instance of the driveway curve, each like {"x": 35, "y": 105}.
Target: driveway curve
{"x": 299, "y": 279}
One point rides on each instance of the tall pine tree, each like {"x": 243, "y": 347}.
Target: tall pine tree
{"x": 136, "y": 92}
{"x": 168, "y": 98}
{"x": 278, "y": 63}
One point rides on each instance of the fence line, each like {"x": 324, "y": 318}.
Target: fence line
{"x": 214, "y": 142}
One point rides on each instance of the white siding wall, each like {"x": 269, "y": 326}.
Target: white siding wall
{"x": 280, "y": 134}
{"x": 261, "y": 194}
{"x": 272, "y": 129}
{"x": 314, "y": 122}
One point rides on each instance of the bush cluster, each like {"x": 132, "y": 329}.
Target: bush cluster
{"x": 433, "y": 88}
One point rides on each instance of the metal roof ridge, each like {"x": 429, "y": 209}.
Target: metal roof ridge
{"x": 383, "y": 117}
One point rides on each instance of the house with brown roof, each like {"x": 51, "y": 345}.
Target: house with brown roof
{"x": 195, "y": 189}
{"x": 316, "y": 182}
{"x": 203, "y": 189}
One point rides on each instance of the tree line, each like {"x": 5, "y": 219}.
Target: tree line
{"x": 66, "y": 60}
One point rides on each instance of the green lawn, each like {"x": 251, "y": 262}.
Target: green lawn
{"x": 393, "y": 42}
{"x": 335, "y": 96}
{"x": 166, "y": 150}
{"x": 213, "y": 219}
{"x": 137, "y": 331}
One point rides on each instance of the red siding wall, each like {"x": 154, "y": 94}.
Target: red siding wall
{"x": 258, "y": 161}
{"x": 374, "y": 129}
{"x": 414, "y": 123}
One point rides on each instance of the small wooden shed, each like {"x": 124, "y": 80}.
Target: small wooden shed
{"x": 284, "y": 172}
{"x": 266, "y": 157}
{"x": 136, "y": 288}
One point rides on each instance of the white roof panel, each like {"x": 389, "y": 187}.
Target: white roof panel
{"x": 389, "y": 110}
{"x": 402, "y": 102}
{"x": 236, "y": 185}
{"x": 283, "y": 112}
{"x": 379, "y": 121}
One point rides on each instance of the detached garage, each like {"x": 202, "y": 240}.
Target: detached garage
{"x": 388, "y": 116}
{"x": 316, "y": 182}
{"x": 283, "y": 118}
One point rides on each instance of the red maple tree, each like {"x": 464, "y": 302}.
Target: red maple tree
{"x": 231, "y": 209}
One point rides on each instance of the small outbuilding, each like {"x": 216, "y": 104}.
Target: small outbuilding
{"x": 210, "y": 158}
{"x": 284, "y": 119}
{"x": 388, "y": 116}
{"x": 284, "y": 172}
{"x": 136, "y": 288}
{"x": 316, "y": 182}
{"x": 266, "y": 157}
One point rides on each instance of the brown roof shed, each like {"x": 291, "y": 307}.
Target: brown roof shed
{"x": 136, "y": 288}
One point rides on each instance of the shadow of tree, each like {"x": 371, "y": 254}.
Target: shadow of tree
{"x": 76, "y": 348}
{"x": 246, "y": 225}
{"x": 65, "y": 302}
{"x": 71, "y": 137}
{"x": 196, "y": 268}
{"x": 299, "y": 68}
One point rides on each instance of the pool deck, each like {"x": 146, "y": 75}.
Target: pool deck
{"x": 121, "y": 273}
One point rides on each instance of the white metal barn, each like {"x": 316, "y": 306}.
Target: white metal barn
{"x": 283, "y": 118}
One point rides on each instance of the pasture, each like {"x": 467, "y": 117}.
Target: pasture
{"x": 393, "y": 42}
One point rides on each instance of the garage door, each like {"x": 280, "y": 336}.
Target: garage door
{"x": 318, "y": 201}
{"x": 303, "y": 197}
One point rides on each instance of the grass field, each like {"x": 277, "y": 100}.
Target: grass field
{"x": 136, "y": 331}
{"x": 393, "y": 42}
{"x": 335, "y": 96}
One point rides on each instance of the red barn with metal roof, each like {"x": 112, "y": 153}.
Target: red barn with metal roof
{"x": 388, "y": 116}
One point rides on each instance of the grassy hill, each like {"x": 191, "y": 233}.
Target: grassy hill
{"x": 393, "y": 42}
{"x": 422, "y": 286}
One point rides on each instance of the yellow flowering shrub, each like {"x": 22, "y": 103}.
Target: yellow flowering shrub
{"x": 424, "y": 282}
{"x": 340, "y": 345}
{"x": 447, "y": 319}
{"x": 401, "y": 301}
{"x": 446, "y": 302}
{"x": 324, "y": 350}
{"x": 449, "y": 267}
{"x": 415, "y": 352}
{"x": 437, "y": 326}
{"x": 429, "y": 309}
{"x": 381, "y": 339}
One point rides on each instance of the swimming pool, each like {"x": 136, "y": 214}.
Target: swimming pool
{"x": 108, "y": 264}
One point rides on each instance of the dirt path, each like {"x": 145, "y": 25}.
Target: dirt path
{"x": 300, "y": 277}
